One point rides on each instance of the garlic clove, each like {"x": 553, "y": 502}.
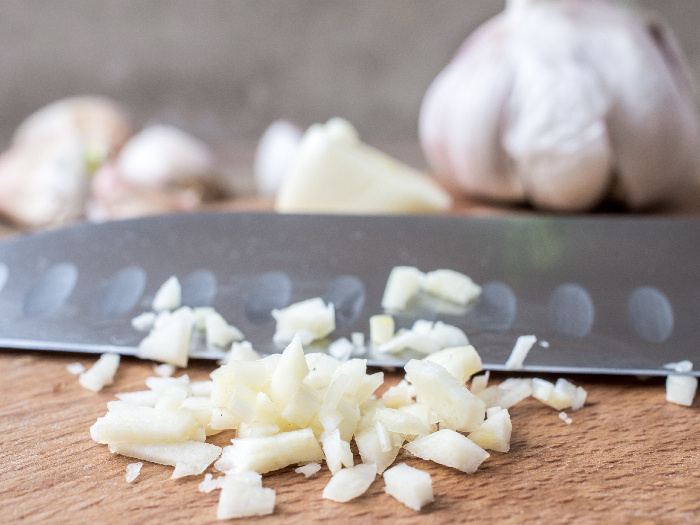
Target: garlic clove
{"x": 44, "y": 183}
{"x": 114, "y": 197}
{"x": 161, "y": 157}
{"x": 477, "y": 84}
{"x": 556, "y": 133}
{"x": 652, "y": 122}
{"x": 275, "y": 152}
{"x": 333, "y": 172}
{"x": 98, "y": 121}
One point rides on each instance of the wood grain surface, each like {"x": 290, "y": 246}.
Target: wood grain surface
{"x": 628, "y": 457}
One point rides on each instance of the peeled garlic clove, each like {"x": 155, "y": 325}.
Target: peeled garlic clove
{"x": 561, "y": 103}
{"x": 333, "y": 172}
{"x": 99, "y": 122}
{"x": 44, "y": 183}
{"x": 163, "y": 157}
{"x": 274, "y": 153}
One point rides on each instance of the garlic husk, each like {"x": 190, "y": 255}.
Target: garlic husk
{"x": 98, "y": 122}
{"x": 44, "y": 182}
{"x": 275, "y": 151}
{"x": 562, "y": 102}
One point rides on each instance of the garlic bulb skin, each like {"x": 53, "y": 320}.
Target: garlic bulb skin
{"x": 560, "y": 103}
{"x": 99, "y": 122}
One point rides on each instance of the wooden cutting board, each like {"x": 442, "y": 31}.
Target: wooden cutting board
{"x": 628, "y": 457}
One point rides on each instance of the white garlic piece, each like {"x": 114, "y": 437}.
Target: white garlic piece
{"x": 562, "y": 103}
{"x": 334, "y": 172}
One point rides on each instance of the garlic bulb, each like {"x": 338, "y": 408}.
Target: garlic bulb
{"x": 562, "y": 103}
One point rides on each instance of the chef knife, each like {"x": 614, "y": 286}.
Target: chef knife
{"x": 608, "y": 295}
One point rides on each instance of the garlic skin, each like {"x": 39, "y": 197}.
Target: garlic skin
{"x": 561, "y": 103}
{"x": 98, "y": 121}
{"x": 44, "y": 182}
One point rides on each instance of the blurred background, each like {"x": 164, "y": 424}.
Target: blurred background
{"x": 225, "y": 69}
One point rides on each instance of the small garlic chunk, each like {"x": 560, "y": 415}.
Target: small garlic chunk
{"x": 519, "y": 353}
{"x": 101, "y": 373}
{"x": 410, "y": 486}
{"x": 132, "y": 471}
{"x": 350, "y": 483}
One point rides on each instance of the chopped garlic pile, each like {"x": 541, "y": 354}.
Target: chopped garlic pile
{"x": 405, "y": 282}
{"x": 301, "y": 409}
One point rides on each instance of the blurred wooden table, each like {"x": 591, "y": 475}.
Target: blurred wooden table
{"x": 628, "y": 457}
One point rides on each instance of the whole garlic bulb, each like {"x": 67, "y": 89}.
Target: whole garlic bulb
{"x": 563, "y": 102}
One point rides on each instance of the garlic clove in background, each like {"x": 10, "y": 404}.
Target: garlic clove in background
{"x": 334, "y": 172}
{"x": 99, "y": 122}
{"x": 113, "y": 197}
{"x": 274, "y": 153}
{"x": 44, "y": 182}
{"x": 160, "y": 170}
{"x": 44, "y": 176}
{"x": 162, "y": 156}
{"x": 563, "y": 103}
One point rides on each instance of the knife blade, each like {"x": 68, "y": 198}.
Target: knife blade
{"x": 607, "y": 295}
